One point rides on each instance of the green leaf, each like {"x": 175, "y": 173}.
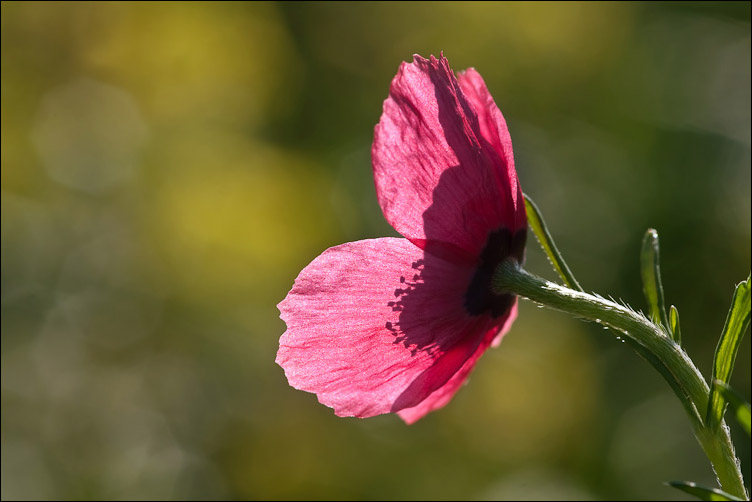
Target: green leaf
{"x": 673, "y": 319}
{"x": 736, "y": 325}
{"x": 538, "y": 226}
{"x": 702, "y": 492}
{"x": 651, "y": 278}
{"x": 738, "y": 405}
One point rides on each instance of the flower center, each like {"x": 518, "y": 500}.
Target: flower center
{"x": 479, "y": 298}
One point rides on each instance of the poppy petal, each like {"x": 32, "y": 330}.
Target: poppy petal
{"x": 440, "y": 397}
{"x": 494, "y": 130}
{"x": 376, "y": 326}
{"x": 438, "y": 178}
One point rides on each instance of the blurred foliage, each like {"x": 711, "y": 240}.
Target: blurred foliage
{"x": 168, "y": 169}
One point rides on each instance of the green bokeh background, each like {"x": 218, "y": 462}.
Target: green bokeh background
{"x": 169, "y": 168}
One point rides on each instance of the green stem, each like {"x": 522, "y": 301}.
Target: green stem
{"x": 652, "y": 342}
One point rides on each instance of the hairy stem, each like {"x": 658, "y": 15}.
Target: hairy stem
{"x": 652, "y": 342}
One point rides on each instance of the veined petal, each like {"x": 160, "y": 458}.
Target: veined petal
{"x": 376, "y": 326}
{"x": 494, "y": 129}
{"x": 438, "y": 177}
{"x": 440, "y": 397}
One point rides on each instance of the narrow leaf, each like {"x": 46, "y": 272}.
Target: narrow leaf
{"x": 736, "y": 325}
{"x": 702, "y": 492}
{"x": 673, "y": 319}
{"x": 738, "y": 405}
{"x": 651, "y": 278}
{"x": 538, "y": 226}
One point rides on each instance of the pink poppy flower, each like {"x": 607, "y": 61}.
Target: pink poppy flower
{"x": 396, "y": 325}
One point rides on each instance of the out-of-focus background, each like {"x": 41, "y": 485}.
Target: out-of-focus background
{"x": 169, "y": 168}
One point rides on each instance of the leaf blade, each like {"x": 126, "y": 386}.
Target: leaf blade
{"x": 737, "y": 322}
{"x": 742, "y": 409}
{"x": 673, "y": 319}
{"x": 652, "y": 285}
{"x": 702, "y": 492}
{"x": 538, "y": 226}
